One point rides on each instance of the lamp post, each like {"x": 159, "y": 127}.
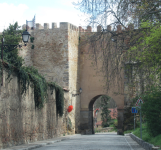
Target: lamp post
{"x": 11, "y": 47}
{"x": 80, "y": 91}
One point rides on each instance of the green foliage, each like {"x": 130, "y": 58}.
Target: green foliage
{"x": 151, "y": 110}
{"x": 128, "y": 131}
{"x": 40, "y": 85}
{"x": 105, "y": 115}
{"x": 114, "y": 124}
{"x": 156, "y": 140}
{"x": 147, "y": 49}
{"x": 28, "y": 75}
{"x": 32, "y": 47}
{"x": 151, "y": 113}
{"x": 146, "y": 135}
{"x": 31, "y": 39}
{"x": 59, "y": 97}
{"x": 59, "y": 100}
{"x": 12, "y": 36}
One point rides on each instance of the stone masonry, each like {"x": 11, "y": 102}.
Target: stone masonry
{"x": 60, "y": 57}
{"x": 20, "y": 122}
{"x": 55, "y": 55}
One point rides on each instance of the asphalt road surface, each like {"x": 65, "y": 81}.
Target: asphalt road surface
{"x": 99, "y": 141}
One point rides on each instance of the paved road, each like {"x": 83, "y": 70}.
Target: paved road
{"x": 100, "y": 141}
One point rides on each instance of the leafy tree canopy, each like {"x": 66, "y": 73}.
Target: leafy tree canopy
{"x": 12, "y": 36}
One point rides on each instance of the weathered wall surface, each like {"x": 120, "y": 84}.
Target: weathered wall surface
{"x": 93, "y": 82}
{"x": 20, "y": 122}
{"x": 73, "y": 57}
{"x": 55, "y": 55}
{"x": 50, "y": 53}
{"x": 26, "y": 53}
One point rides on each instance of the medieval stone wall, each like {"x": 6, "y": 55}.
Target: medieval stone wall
{"x": 55, "y": 55}
{"x": 93, "y": 82}
{"x": 20, "y": 122}
{"x": 58, "y": 56}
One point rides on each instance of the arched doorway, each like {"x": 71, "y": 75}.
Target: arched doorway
{"x": 93, "y": 83}
{"x": 86, "y": 115}
{"x": 107, "y": 107}
{"x": 95, "y": 103}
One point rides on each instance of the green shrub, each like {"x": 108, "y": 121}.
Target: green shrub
{"x": 156, "y": 140}
{"x": 152, "y": 110}
{"x": 146, "y": 136}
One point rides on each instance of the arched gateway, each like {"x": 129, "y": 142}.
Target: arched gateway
{"x": 93, "y": 85}
{"x": 59, "y": 55}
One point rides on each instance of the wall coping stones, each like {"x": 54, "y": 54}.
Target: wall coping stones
{"x": 141, "y": 142}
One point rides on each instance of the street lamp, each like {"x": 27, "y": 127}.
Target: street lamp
{"x": 80, "y": 91}
{"x": 25, "y": 36}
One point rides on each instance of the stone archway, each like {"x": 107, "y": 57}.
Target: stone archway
{"x": 97, "y": 117}
{"x": 93, "y": 82}
{"x": 86, "y": 118}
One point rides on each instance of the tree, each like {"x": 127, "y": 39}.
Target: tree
{"x": 147, "y": 51}
{"x": 115, "y": 46}
{"x": 151, "y": 110}
{"x": 105, "y": 115}
{"x": 122, "y": 11}
{"x": 12, "y": 36}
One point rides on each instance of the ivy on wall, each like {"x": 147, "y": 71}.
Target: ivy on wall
{"x": 59, "y": 94}
{"x": 32, "y": 47}
{"x": 29, "y": 75}
{"x": 32, "y": 40}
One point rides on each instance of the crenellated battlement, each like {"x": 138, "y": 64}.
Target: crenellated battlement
{"x": 63, "y": 25}
{"x": 69, "y": 26}
{"x": 99, "y": 28}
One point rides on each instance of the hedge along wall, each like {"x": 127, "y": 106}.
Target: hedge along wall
{"x": 20, "y": 122}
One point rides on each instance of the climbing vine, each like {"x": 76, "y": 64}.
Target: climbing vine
{"x": 59, "y": 94}
{"x": 29, "y": 75}
{"x": 31, "y": 39}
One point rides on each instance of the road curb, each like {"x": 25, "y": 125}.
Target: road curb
{"x": 141, "y": 142}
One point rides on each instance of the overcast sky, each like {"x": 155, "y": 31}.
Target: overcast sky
{"x": 46, "y": 11}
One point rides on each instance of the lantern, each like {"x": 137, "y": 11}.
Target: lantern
{"x": 25, "y": 36}
{"x": 70, "y": 108}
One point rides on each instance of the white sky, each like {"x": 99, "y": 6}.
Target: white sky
{"x": 46, "y": 11}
